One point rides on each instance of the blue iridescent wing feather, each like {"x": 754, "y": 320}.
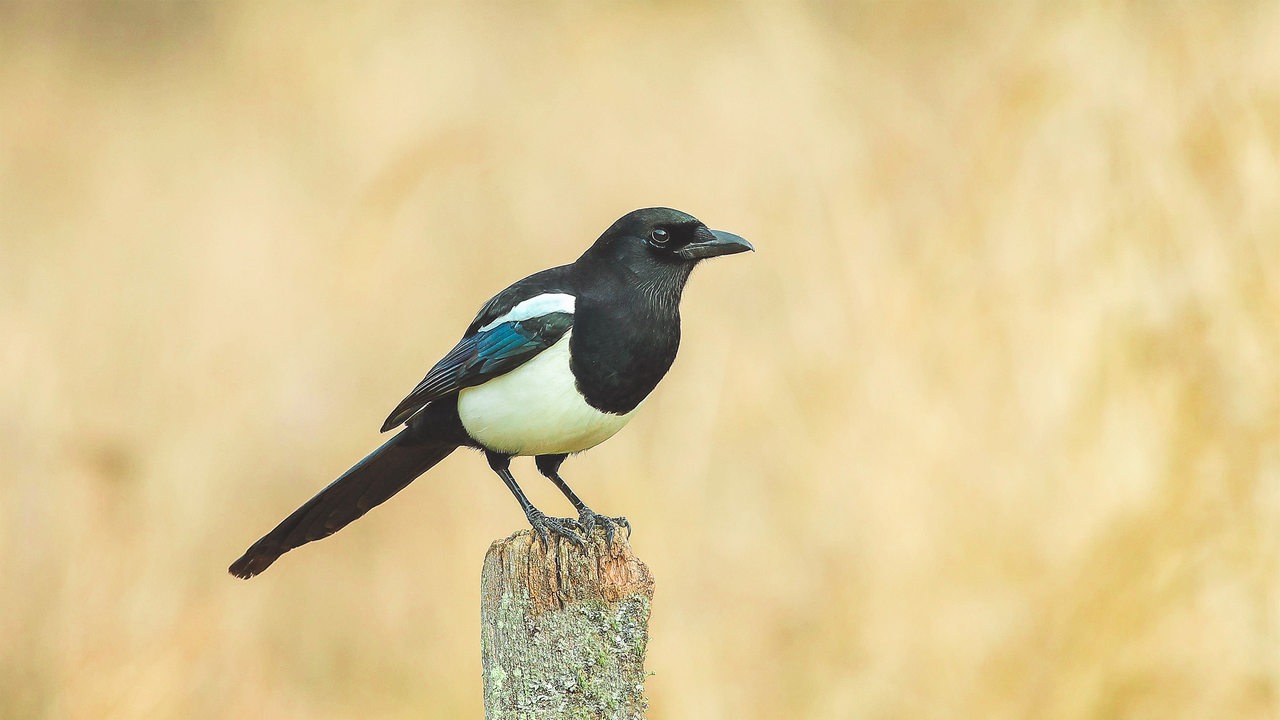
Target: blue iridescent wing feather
{"x": 483, "y": 356}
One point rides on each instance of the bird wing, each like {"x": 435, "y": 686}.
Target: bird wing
{"x": 492, "y": 350}
{"x": 554, "y": 282}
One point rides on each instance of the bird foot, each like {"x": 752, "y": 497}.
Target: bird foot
{"x": 588, "y": 519}
{"x": 564, "y": 527}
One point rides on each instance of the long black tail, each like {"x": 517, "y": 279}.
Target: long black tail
{"x": 383, "y": 473}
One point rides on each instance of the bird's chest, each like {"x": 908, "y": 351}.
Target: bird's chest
{"x": 537, "y": 409}
{"x": 620, "y": 353}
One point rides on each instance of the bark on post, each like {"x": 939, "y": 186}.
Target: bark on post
{"x": 563, "y": 631}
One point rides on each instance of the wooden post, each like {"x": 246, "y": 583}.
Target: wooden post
{"x": 563, "y": 631}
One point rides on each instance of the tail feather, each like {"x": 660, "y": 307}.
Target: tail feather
{"x": 383, "y": 473}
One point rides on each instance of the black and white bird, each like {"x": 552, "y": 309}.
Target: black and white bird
{"x": 553, "y": 365}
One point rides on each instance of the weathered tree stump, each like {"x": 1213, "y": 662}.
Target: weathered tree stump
{"x": 563, "y": 630}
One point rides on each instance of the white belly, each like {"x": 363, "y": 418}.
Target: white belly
{"x": 536, "y": 409}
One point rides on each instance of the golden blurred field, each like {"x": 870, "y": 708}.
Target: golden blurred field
{"x": 988, "y": 428}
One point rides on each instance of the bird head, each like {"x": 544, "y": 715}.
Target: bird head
{"x": 661, "y": 241}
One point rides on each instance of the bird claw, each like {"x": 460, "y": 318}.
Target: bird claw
{"x": 588, "y": 519}
{"x": 564, "y": 527}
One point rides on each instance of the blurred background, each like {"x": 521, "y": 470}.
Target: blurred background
{"x": 989, "y": 426}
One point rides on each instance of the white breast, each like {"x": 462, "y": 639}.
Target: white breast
{"x": 536, "y": 409}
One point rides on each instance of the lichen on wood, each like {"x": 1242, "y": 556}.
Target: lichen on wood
{"x": 564, "y": 629}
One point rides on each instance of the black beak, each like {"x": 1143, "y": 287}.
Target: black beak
{"x": 712, "y": 243}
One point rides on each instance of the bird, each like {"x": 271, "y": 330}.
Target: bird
{"x": 553, "y": 365}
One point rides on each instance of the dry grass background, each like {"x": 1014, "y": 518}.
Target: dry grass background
{"x": 989, "y": 427}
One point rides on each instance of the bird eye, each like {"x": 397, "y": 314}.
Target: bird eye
{"x": 659, "y": 237}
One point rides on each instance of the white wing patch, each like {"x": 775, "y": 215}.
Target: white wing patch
{"x": 536, "y": 306}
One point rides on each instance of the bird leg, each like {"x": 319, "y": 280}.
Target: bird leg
{"x": 549, "y": 465}
{"x": 542, "y": 524}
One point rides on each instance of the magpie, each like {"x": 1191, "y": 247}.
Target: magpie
{"x": 553, "y": 365}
